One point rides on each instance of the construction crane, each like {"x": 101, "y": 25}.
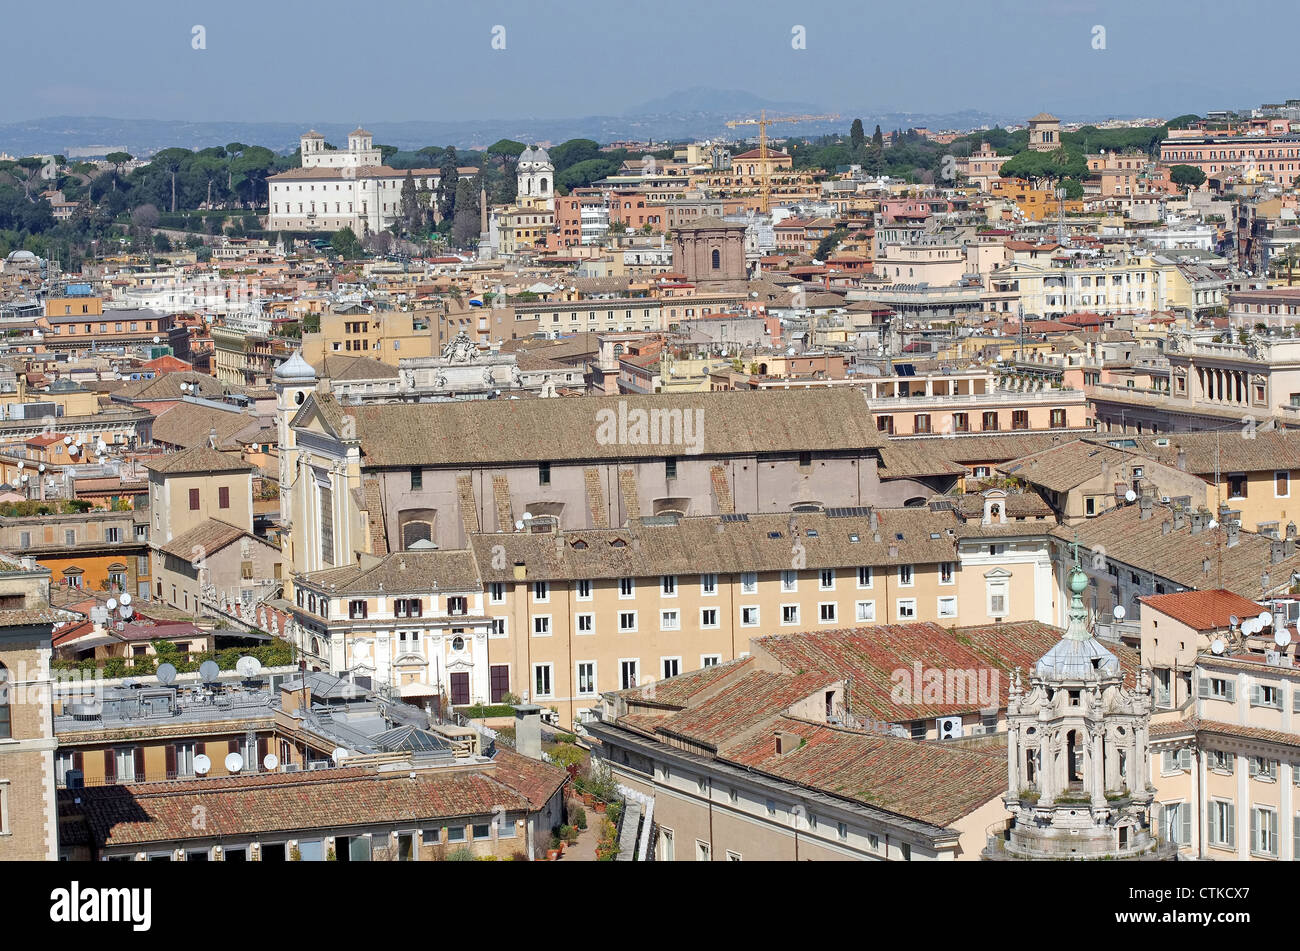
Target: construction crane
{"x": 765, "y": 190}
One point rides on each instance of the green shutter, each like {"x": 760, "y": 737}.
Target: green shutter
{"x": 1232, "y": 690}
{"x": 1185, "y": 815}
{"x": 1232, "y": 826}
{"x": 1203, "y": 687}
{"x": 1254, "y": 830}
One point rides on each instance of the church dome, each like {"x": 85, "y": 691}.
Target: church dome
{"x": 294, "y": 370}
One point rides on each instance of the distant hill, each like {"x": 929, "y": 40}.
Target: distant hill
{"x": 696, "y": 113}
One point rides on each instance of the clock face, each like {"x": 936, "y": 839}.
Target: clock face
{"x": 299, "y": 397}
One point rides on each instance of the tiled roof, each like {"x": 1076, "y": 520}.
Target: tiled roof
{"x": 1203, "y": 610}
{"x": 556, "y": 430}
{"x": 987, "y": 448}
{"x": 402, "y": 571}
{"x": 198, "y": 459}
{"x": 722, "y": 544}
{"x": 1263, "y": 451}
{"x": 1203, "y": 560}
{"x": 934, "y": 782}
{"x": 210, "y": 536}
{"x": 1061, "y": 468}
{"x": 190, "y": 424}
{"x": 280, "y": 803}
{"x": 343, "y": 368}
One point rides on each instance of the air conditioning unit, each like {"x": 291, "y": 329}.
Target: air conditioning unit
{"x": 949, "y": 728}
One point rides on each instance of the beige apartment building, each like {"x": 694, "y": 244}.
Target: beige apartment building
{"x": 28, "y": 812}
{"x": 384, "y": 335}
{"x": 189, "y": 487}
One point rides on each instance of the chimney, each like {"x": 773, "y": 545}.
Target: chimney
{"x": 1277, "y": 551}
{"x": 212, "y": 438}
{"x": 1290, "y": 530}
{"x": 1182, "y": 459}
{"x": 1198, "y": 520}
{"x": 1144, "y": 506}
{"x": 1180, "y": 517}
{"x": 1232, "y": 527}
{"x": 528, "y": 730}
{"x": 521, "y": 571}
{"x": 1288, "y": 547}
{"x": 1165, "y": 527}
{"x": 786, "y": 742}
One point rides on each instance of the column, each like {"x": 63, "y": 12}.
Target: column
{"x": 1098, "y": 772}
{"x": 1014, "y": 784}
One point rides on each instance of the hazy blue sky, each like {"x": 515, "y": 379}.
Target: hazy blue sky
{"x": 393, "y": 60}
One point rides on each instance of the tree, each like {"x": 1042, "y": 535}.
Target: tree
{"x": 877, "y": 139}
{"x": 448, "y": 175}
{"x": 410, "y": 205}
{"x": 465, "y": 224}
{"x": 344, "y": 243}
{"x": 145, "y": 217}
{"x": 1187, "y": 177}
{"x": 856, "y": 134}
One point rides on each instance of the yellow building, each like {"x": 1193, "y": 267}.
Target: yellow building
{"x": 384, "y": 335}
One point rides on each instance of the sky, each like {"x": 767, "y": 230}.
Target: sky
{"x": 399, "y": 60}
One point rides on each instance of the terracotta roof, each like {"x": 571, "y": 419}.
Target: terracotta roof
{"x": 280, "y": 803}
{"x": 209, "y": 536}
{"x": 198, "y": 459}
{"x": 560, "y": 430}
{"x": 403, "y": 571}
{"x": 190, "y": 424}
{"x": 1266, "y": 450}
{"x": 1203, "y": 610}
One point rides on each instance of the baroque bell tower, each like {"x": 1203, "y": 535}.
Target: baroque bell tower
{"x": 1078, "y": 758}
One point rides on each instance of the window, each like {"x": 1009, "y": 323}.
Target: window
{"x": 826, "y": 579}
{"x": 669, "y": 621}
{"x": 906, "y": 608}
{"x": 194, "y": 500}
{"x": 1223, "y": 824}
{"x": 543, "y": 473}
{"x": 626, "y": 588}
{"x": 496, "y": 593}
{"x": 585, "y": 623}
{"x": 905, "y": 576}
{"x": 113, "y": 535}
{"x": 627, "y": 621}
{"x": 583, "y": 589}
{"x": 542, "y": 680}
{"x": 864, "y": 577}
{"x": 842, "y": 830}
{"x": 70, "y": 536}
{"x": 1222, "y": 762}
{"x": 708, "y": 584}
{"x": 1218, "y": 688}
{"x": 708, "y": 617}
{"x": 789, "y": 580}
{"x": 789, "y": 614}
{"x": 498, "y": 627}
{"x": 417, "y": 479}
{"x": 541, "y": 625}
{"x": 865, "y": 611}
{"x": 668, "y": 586}
{"x": 1237, "y": 486}
{"x": 356, "y": 609}
{"x": 1282, "y": 484}
{"x": 749, "y": 616}
{"x": 947, "y": 607}
{"x": 1261, "y": 767}
{"x": 666, "y": 845}
{"x": 223, "y": 497}
{"x": 586, "y": 677}
{"x": 411, "y": 607}
{"x": 455, "y": 833}
{"x": 826, "y": 612}
{"x": 947, "y": 572}
{"x": 670, "y": 468}
{"x": 1264, "y": 695}
{"x": 1263, "y": 832}
{"x": 6, "y": 711}
{"x": 628, "y": 674}
{"x": 710, "y": 660}
{"x": 671, "y": 666}
{"x": 541, "y": 591}
{"x": 749, "y": 582}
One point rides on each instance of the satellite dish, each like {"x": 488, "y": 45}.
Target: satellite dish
{"x": 41, "y": 467}
{"x": 1119, "y": 612}
{"x": 72, "y": 450}
{"x": 128, "y": 611}
{"x": 1265, "y": 619}
{"x": 248, "y": 667}
{"x": 1281, "y": 637}
{"x": 202, "y": 764}
{"x": 129, "y": 682}
{"x": 20, "y": 463}
{"x": 125, "y": 599}
{"x": 234, "y": 762}
{"x": 519, "y": 526}
{"x": 1217, "y": 646}
{"x": 339, "y": 755}
{"x": 1249, "y": 626}
{"x": 209, "y": 671}
{"x": 528, "y": 516}
{"x": 111, "y": 604}
{"x": 1130, "y": 496}
{"x": 1232, "y": 620}
{"x": 166, "y": 674}
{"x": 270, "y": 761}
{"x": 67, "y": 440}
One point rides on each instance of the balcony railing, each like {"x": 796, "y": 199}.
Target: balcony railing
{"x": 977, "y": 399}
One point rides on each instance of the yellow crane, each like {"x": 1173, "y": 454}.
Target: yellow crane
{"x": 765, "y": 190}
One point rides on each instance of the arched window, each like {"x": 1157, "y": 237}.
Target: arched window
{"x": 6, "y": 722}
{"x": 542, "y": 186}
{"x": 717, "y": 259}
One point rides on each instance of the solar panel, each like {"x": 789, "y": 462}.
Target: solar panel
{"x": 851, "y": 512}
{"x": 735, "y": 517}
